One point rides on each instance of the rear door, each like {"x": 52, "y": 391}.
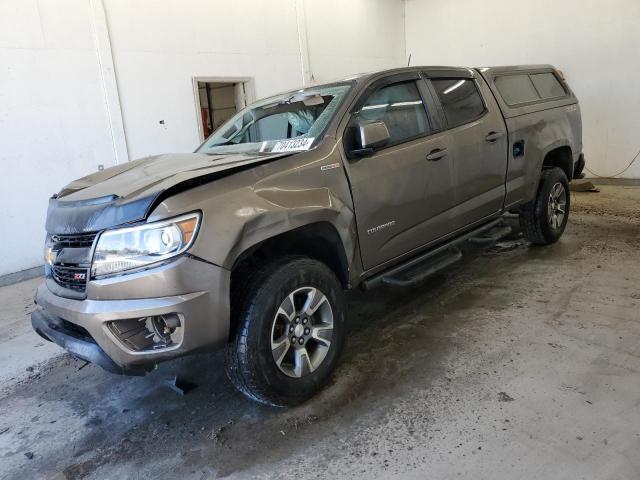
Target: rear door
{"x": 540, "y": 111}
{"x": 397, "y": 191}
{"x": 477, "y": 148}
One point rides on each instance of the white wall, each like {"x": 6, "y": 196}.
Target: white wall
{"x": 53, "y": 123}
{"x": 159, "y": 45}
{"x": 594, "y": 43}
{"x": 62, "y": 106}
{"x": 354, "y": 36}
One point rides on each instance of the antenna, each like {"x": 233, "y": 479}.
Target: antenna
{"x": 409, "y": 61}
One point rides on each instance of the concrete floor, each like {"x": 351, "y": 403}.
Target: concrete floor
{"x": 520, "y": 363}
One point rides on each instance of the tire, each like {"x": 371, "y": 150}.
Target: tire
{"x": 256, "y": 364}
{"x": 544, "y": 219}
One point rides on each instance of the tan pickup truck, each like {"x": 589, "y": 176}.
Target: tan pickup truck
{"x": 249, "y": 243}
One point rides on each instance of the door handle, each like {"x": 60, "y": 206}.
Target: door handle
{"x": 436, "y": 154}
{"x": 493, "y": 136}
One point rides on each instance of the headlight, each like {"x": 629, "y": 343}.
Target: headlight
{"x": 48, "y": 251}
{"x": 135, "y": 247}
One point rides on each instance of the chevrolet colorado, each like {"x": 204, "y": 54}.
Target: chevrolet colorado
{"x": 248, "y": 243}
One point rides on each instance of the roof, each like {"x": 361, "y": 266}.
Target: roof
{"x": 435, "y": 70}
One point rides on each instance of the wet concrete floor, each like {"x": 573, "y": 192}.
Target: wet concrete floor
{"x": 520, "y": 362}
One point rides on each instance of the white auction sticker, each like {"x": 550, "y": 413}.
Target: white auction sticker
{"x": 293, "y": 145}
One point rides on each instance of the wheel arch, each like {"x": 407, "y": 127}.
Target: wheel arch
{"x": 319, "y": 240}
{"x": 559, "y": 156}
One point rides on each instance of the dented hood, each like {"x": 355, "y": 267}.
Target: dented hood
{"x": 127, "y": 193}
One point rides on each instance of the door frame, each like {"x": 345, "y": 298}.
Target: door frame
{"x": 434, "y": 122}
{"x": 248, "y": 84}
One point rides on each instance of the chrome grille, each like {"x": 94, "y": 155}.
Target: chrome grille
{"x": 73, "y": 278}
{"x": 74, "y": 241}
{"x": 71, "y": 269}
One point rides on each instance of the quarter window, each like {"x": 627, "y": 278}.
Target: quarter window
{"x": 400, "y": 107}
{"x": 460, "y": 100}
{"x": 516, "y": 89}
{"x": 548, "y": 85}
{"x": 527, "y": 88}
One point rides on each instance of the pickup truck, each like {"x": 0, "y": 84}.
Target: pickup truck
{"x": 249, "y": 243}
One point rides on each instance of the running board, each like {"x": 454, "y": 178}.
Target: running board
{"x": 419, "y": 268}
{"x": 492, "y": 235}
{"x": 420, "y": 272}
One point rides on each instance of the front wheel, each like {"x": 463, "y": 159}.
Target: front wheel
{"x": 290, "y": 331}
{"x": 544, "y": 219}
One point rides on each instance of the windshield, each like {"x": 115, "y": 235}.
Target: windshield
{"x": 283, "y": 123}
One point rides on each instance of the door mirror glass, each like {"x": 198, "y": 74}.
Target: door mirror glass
{"x": 371, "y": 135}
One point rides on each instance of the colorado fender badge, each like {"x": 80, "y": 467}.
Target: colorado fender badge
{"x": 331, "y": 166}
{"x": 379, "y": 228}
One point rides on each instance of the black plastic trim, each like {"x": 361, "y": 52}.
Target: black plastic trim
{"x": 53, "y": 329}
{"x": 61, "y": 291}
{"x": 579, "y": 167}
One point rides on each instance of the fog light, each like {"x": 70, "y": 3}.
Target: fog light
{"x": 161, "y": 327}
{"x": 148, "y": 333}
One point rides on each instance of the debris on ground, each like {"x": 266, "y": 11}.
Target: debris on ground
{"x": 297, "y": 423}
{"x": 217, "y": 434}
{"x": 504, "y": 397}
{"x": 29, "y": 455}
{"x": 583, "y": 186}
{"x": 180, "y": 385}
{"x": 83, "y": 365}
{"x": 505, "y": 246}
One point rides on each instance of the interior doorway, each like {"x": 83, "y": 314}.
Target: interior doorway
{"x": 218, "y": 100}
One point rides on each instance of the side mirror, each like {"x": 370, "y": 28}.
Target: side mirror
{"x": 370, "y": 136}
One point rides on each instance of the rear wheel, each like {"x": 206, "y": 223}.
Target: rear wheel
{"x": 544, "y": 219}
{"x": 290, "y": 332}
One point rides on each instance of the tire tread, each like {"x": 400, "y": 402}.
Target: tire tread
{"x": 239, "y": 370}
{"x": 532, "y": 213}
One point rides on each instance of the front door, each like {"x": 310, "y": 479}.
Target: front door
{"x": 398, "y": 192}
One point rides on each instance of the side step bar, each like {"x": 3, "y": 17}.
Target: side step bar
{"x": 419, "y": 268}
{"x": 492, "y": 235}
{"x": 422, "y": 271}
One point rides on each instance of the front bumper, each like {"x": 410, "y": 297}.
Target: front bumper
{"x": 78, "y": 344}
{"x": 195, "y": 290}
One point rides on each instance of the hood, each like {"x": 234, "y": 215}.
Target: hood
{"x": 127, "y": 193}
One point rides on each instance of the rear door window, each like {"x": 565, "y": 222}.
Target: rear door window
{"x": 548, "y": 85}
{"x": 460, "y": 100}
{"x": 516, "y": 89}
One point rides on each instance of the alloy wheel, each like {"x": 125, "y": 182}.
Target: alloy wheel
{"x": 557, "y": 206}
{"x": 301, "y": 332}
